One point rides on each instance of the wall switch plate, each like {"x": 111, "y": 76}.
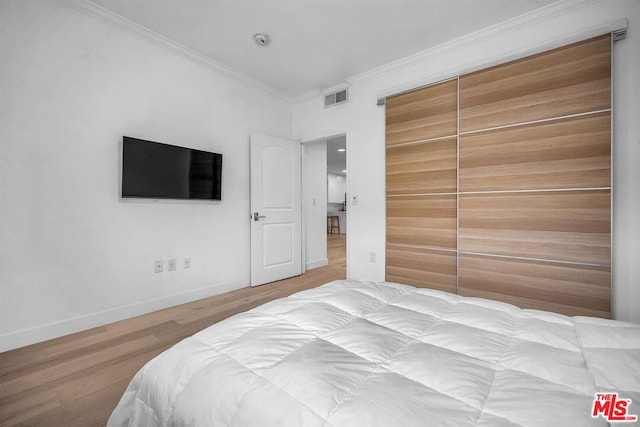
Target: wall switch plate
{"x": 372, "y": 257}
{"x": 158, "y": 266}
{"x": 171, "y": 264}
{"x": 354, "y": 199}
{"x": 187, "y": 262}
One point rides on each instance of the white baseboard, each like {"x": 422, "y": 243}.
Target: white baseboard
{"x": 24, "y": 337}
{"x": 317, "y": 263}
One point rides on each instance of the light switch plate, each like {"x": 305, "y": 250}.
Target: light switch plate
{"x": 158, "y": 266}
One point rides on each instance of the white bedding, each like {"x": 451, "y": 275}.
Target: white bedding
{"x": 383, "y": 354}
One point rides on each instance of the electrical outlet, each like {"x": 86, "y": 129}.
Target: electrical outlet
{"x": 354, "y": 199}
{"x": 372, "y": 257}
{"x": 158, "y": 266}
{"x": 187, "y": 262}
{"x": 171, "y": 264}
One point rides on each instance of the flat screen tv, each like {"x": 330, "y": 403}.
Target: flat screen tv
{"x": 162, "y": 171}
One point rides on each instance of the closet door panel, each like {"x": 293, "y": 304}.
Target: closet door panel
{"x": 555, "y": 225}
{"x": 422, "y": 268}
{"x": 569, "y": 80}
{"x": 429, "y": 167}
{"x": 572, "y": 289}
{"x": 422, "y": 220}
{"x": 518, "y": 192}
{"x": 426, "y": 113}
{"x": 560, "y": 154}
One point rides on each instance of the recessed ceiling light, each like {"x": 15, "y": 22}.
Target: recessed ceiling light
{"x": 261, "y": 39}
{"x": 342, "y": 149}
{"x": 344, "y": 171}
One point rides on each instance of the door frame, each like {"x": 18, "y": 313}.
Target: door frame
{"x": 322, "y": 136}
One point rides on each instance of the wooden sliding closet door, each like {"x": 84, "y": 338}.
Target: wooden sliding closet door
{"x": 422, "y": 184}
{"x": 508, "y": 194}
{"x": 535, "y": 178}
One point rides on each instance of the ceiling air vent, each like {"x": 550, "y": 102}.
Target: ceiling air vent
{"x": 335, "y": 98}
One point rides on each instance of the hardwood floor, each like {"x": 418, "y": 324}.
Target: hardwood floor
{"x": 77, "y": 380}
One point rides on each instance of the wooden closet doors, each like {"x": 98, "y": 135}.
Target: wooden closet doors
{"x": 422, "y": 185}
{"x": 508, "y": 194}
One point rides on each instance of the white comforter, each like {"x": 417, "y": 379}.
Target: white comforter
{"x": 383, "y": 354}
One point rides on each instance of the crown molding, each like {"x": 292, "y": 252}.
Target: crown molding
{"x": 335, "y": 88}
{"x": 307, "y": 96}
{"x": 452, "y": 73}
{"x": 500, "y": 29}
{"x": 317, "y": 92}
{"x": 109, "y": 17}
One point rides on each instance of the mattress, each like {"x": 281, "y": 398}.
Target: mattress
{"x": 385, "y": 354}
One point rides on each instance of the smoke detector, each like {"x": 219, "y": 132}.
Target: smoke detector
{"x": 261, "y": 39}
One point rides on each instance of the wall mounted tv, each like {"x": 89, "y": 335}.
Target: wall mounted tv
{"x": 162, "y": 171}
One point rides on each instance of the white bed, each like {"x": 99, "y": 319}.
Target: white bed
{"x": 383, "y": 354}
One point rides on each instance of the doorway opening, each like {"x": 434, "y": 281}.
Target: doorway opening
{"x": 325, "y": 210}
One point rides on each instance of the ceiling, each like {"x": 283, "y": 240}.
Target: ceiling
{"x": 315, "y": 44}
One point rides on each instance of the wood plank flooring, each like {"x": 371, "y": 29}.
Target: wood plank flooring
{"x": 77, "y": 380}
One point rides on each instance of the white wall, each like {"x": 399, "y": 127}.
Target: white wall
{"x": 73, "y": 254}
{"x": 336, "y": 187}
{"x": 314, "y": 203}
{"x": 555, "y": 25}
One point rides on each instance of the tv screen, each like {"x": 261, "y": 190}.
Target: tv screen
{"x": 161, "y": 171}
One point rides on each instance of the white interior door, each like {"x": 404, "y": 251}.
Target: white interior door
{"x": 276, "y": 216}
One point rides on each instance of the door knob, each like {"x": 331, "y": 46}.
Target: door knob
{"x": 257, "y": 217}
